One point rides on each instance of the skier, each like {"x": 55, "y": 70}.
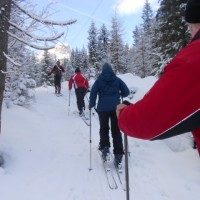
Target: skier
{"x": 57, "y": 71}
{"x": 158, "y": 117}
{"x": 81, "y": 86}
{"x": 109, "y": 88}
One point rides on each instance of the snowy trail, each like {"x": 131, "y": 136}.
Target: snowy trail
{"x": 53, "y": 162}
{"x": 47, "y": 157}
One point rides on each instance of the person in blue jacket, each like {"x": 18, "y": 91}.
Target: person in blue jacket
{"x": 109, "y": 88}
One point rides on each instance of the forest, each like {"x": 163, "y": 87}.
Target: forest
{"x": 155, "y": 42}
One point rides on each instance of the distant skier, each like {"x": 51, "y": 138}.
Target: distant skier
{"x": 81, "y": 86}
{"x": 57, "y": 71}
{"x": 109, "y": 88}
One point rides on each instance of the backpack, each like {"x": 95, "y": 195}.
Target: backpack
{"x": 57, "y": 70}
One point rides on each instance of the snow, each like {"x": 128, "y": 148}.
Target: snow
{"x": 46, "y": 150}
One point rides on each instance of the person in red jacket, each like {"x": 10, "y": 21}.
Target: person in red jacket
{"x": 57, "y": 71}
{"x": 81, "y": 86}
{"x": 172, "y": 106}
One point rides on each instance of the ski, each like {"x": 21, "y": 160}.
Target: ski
{"x": 120, "y": 175}
{"x": 85, "y": 119}
{"x": 109, "y": 174}
{"x": 58, "y": 95}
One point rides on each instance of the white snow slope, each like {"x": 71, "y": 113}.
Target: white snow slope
{"x": 46, "y": 148}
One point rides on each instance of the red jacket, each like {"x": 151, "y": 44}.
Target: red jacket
{"x": 79, "y": 81}
{"x": 173, "y": 98}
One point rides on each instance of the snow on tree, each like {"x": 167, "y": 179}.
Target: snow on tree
{"x": 47, "y": 64}
{"x": 144, "y": 35}
{"x": 5, "y": 10}
{"x": 126, "y": 59}
{"x": 92, "y": 46}
{"x": 31, "y": 40}
{"x": 103, "y": 49}
{"x": 138, "y": 49}
{"x": 79, "y": 58}
{"x": 116, "y": 45}
{"x": 172, "y": 28}
{"x": 23, "y": 90}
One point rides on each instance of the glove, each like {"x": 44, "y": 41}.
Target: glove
{"x": 126, "y": 102}
{"x": 49, "y": 74}
{"x": 88, "y": 90}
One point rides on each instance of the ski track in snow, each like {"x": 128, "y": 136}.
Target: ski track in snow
{"x": 47, "y": 157}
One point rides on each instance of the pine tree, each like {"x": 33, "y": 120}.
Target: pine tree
{"x": 145, "y": 56}
{"x": 116, "y": 45}
{"x": 92, "y": 45}
{"x": 47, "y": 64}
{"x": 23, "y": 90}
{"x": 126, "y": 59}
{"x": 103, "y": 50}
{"x": 172, "y": 29}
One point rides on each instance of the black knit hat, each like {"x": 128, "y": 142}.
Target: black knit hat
{"x": 77, "y": 70}
{"x": 192, "y": 11}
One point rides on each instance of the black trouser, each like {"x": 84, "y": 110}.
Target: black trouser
{"x": 104, "y": 131}
{"x": 57, "y": 83}
{"x": 80, "y": 94}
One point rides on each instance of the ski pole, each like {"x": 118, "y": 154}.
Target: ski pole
{"x": 87, "y": 97}
{"x": 90, "y": 142}
{"x": 126, "y": 166}
{"x": 88, "y": 102}
{"x": 126, "y": 158}
{"x": 69, "y": 102}
{"x": 127, "y": 103}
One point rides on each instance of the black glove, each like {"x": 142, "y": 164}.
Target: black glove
{"x": 49, "y": 74}
{"x": 88, "y": 90}
{"x": 126, "y": 102}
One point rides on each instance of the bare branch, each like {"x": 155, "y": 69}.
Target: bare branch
{"x": 44, "y": 21}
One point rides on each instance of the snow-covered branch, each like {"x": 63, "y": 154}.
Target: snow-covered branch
{"x": 11, "y": 60}
{"x": 55, "y": 37}
{"x": 30, "y": 45}
{"x": 45, "y": 21}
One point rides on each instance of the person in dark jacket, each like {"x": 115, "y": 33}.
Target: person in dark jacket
{"x": 81, "y": 86}
{"x": 109, "y": 88}
{"x": 148, "y": 119}
{"x": 57, "y": 71}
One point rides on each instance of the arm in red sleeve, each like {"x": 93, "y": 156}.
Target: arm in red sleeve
{"x": 52, "y": 71}
{"x": 71, "y": 80}
{"x": 63, "y": 70}
{"x": 86, "y": 83}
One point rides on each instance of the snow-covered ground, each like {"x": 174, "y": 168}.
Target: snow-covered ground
{"x": 46, "y": 148}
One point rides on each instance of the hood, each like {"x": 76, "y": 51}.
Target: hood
{"x": 107, "y": 73}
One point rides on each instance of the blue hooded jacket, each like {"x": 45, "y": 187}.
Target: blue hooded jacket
{"x": 109, "y": 88}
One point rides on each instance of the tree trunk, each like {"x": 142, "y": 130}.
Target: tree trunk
{"x": 5, "y": 10}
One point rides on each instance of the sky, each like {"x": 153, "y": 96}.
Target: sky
{"x": 99, "y": 11}
{"x": 46, "y": 150}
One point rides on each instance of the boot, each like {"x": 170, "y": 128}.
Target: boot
{"x": 58, "y": 90}
{"x": 118, "y": 159}
{"x": 105, "y": 154}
